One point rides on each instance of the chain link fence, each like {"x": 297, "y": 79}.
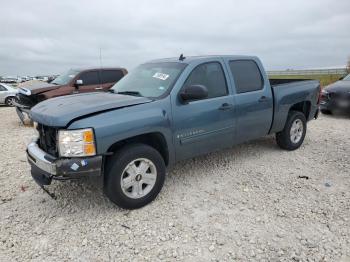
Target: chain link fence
{"x": 334, "y": 71}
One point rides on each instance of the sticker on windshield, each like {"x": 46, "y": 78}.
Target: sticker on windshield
{"x": 161, "y": 76}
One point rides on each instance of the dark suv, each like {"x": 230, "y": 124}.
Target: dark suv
{"x": 71, "y": 82}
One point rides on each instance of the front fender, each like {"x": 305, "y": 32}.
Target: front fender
{"x": 120, "y": 124}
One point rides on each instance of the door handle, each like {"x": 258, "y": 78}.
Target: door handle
{"x": 225, "y": 106}
{"x": 98, "y": 88}
{"x": 263, "y": 99}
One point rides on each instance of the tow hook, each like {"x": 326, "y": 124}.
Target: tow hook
{"x": 52, "y": 195}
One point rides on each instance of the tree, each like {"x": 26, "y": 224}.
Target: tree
{"x": 348, "y": 65}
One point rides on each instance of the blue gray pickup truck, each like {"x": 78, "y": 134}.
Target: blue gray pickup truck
{"x": 163, "y": 112}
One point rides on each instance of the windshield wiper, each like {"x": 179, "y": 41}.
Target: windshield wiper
{"x": 131, "y": 93}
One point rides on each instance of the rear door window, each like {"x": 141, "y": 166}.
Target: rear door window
{"x": 111, "y": 76}
{"x": 246, "y": 75}
{"x": 210, "y": 75}
{"x": 90, "y": 78}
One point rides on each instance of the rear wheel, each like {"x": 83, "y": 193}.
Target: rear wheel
{"x": 9, "y": 101}
{"x": 293, "y": 134}
{"x": 134, "y": 176}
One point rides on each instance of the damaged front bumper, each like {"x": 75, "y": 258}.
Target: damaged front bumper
{"x": 45, "y": 167}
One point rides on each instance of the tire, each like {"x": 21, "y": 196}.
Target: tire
{"x": 126, "y": 166}
{"x": 326, "y": 112}
{"x": 9, "y": 100}
{"x": 295, "y": 121}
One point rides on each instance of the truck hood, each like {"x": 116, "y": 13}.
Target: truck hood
{"x": 58, "y": 112}
{"x": 339, "y": 86}
{"x": 37, "y": 87}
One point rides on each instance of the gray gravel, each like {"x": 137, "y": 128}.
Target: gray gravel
{"x": 244, "y": 203}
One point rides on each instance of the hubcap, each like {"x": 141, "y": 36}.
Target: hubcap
{"x": 138, "y": 178}
{"x": 296, "y": 132}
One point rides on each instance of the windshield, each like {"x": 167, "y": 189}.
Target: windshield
{"x": 65, "y": 78}
{"x": 347, "y": 78}
{"x": 150, "y": 80}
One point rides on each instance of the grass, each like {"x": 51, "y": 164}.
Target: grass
{"x": 324, "y": 79}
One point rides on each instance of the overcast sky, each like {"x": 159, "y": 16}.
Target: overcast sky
{"x": 44, "y": 37}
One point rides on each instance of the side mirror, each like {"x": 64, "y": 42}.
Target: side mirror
{"x": 194, "y": 92}
{"x": 78, "y": 83}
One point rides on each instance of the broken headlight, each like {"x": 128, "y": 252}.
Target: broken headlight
{"x": 76, "y": 143}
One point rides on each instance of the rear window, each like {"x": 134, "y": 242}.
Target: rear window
{"x": 111, "y": 76}
{"x": 246, "y": 75}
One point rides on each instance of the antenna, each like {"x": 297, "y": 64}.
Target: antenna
{"x": 182, "y": 58}
{"x": 100, "y": 57}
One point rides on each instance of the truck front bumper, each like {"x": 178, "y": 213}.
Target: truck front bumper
{"x": 45, "y": 167}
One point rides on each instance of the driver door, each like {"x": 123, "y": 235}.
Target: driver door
{"x": 205, "y": 125}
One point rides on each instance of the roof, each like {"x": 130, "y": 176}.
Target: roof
{"x": 97, "y": 68}
{"x": 189, "y": 59}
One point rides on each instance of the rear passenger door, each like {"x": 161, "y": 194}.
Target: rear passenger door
{"x": 253, "y": 96}
{"x": 109, "y": 78}
{"x": 91, "y": 81}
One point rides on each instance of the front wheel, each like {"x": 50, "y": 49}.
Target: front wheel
{"x": 293, "y": 134}
{"x": 134, "y": 176}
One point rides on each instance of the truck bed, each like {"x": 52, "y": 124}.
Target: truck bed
{"x": 288, "y": 92}
{"x": 277, "y": 81}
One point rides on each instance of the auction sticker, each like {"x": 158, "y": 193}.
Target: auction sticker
{"x": 161, "y": 76}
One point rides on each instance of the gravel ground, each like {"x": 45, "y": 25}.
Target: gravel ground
{"x": 244, "y": 203}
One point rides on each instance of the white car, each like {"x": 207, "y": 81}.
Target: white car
{"x": 7, "y": 94}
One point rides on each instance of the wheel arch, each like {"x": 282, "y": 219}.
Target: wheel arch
{"x": 154, "y": 139}
{"x": 303, "y": 107}
{"x": 8, "y": 96}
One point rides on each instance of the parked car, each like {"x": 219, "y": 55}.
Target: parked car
{"x": 10, "y": 80}
{"x": 336, "y": 97}
{"x": 72, "y": 82}
{"x": 163, "y": 112}
{"x": 7, "y": 94}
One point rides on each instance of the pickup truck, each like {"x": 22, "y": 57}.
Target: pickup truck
{"x": 73, "y": 81}
{"x": 163, "y": 112}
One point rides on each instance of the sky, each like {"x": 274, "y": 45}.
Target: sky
{"x": 48, "y": 37}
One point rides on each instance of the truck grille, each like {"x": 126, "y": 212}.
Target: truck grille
{"x": 47, "y": 139}
{"x": 25, "y": 100}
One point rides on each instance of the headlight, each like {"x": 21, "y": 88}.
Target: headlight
{"x": 76, "y": 143}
